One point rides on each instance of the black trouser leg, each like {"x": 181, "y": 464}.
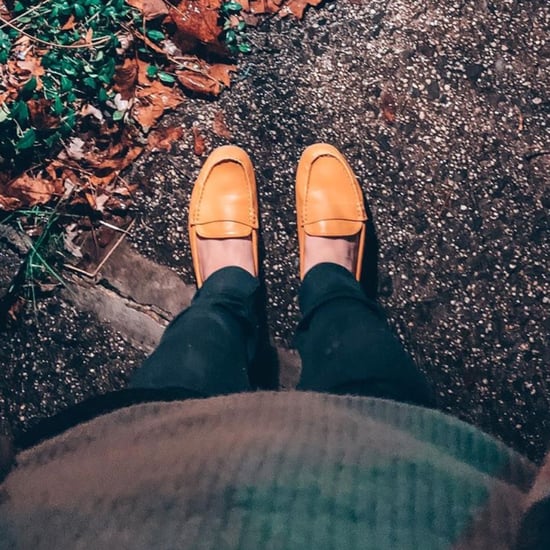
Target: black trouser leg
{"x": 205, "y": 351}
{"x": 208, "y": 347}
{"x": 346, "y": 345}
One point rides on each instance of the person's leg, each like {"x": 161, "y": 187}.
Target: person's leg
{"x": 346, "y": 345}
{"x": 343, "y": 339}
{"x": 208, "y": 347}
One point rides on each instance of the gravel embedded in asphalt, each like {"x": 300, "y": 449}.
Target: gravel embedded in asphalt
{"x": 455, "y": 185}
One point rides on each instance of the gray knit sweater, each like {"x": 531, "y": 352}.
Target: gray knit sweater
{"x": 267, "y": 471}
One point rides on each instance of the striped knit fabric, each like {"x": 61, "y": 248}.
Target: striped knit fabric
{"x": 266, "y": 471}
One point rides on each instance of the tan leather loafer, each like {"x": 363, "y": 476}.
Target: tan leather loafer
{"x": 329, "y": 202}
{"x": 224, "y": 203}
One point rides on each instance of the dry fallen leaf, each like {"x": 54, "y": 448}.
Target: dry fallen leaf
{"x": 75, "y": 149}
{"x": 87, "y": 171}
{"x": 198, "y": 82}
{"x": 151, "y": 102}
{"x": 97, "y": 202}
{"x": 124, "y": 189}
{"x": 204, "y": 78}
{"x": 16, "y": 308}
{"x": 297, "y": 7}
{"x": 162, "y": 139}
{"x": 197, "y": 21}
{"x": 90, "y": 110}
{"x": 126, "y": 77}
{"x": 40, "y": 114}
{"x": 116, "y": 158}
{"x": 34, "y": 190}
{"x": 8, "y": 203}
{"x": 387, "y": 106}
{"x": 19, "y": 72}
{"x": 199, "y": 145}
{"x": 30, "y": 65}
{"x": 103, "y": 157}
{"x": 220, "y": 127}
{"x": 4, "y": 11}
{"x": 70, "y": 24}
{"x": 89, "y": 36}
{"x": 150, "y": 9}
{"x": 221, "y": 72}
{"x": 260, "y": 7}
{"x": 147, "y": 113}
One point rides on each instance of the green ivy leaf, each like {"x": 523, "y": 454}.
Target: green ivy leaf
{"x": 244, "y": 47}
{"x": 18, "y": 7}
{"x": 152, "y": 71}
{"x": 102, "y": 95}
{"x": 66, "y": 84}
{"x": 90, "y": 82}
{"x": 20, "y": 111}
{"x": 30, "y": 86}
{"x": 156, "y": 36}
{"x": 68, "y": 69}
{"x": 232, "y": 6}
{"x": 118, "y": 115}
{"x": 230, "y": 37}
{"x": 53, "y": 139}
{"x": 27, "y": 140}
{"x": 58, "y": 106}
{"x": 48, "y": 60}
{"x": 65, "y": 9}
{"x": 79, "y": 11}
{"x": 165, "y": 77}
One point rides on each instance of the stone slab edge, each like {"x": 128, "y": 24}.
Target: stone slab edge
{"x": 138, "y": 297}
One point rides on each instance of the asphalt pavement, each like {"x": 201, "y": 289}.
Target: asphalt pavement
{"x": 442, "y": 110}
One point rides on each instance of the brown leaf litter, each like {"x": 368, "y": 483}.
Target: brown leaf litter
{"x": 87, "y": 170}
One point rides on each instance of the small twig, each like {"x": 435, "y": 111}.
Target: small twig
{"x": 111, "y": 226}
{"x": 94, "y": 238}
{"x": 24, "y": 14}
{"x": 520, "y": 119}
{"x": 125, "y": 184}
{"x": 536, "y": 154}
{"x": 93, "y": 43}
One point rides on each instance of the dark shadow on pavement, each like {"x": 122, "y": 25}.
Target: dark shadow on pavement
{"x": 369, "y": 271}
{"x": 264, "y": 371}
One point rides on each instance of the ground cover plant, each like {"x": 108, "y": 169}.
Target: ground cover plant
{"x": 83, "y": 85}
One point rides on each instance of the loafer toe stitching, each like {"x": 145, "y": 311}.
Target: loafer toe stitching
{"x": 251, "y": 222}
{"x": 229, "y": 154}
{"x": 304, "y": 207}
{"x": 361, "y": 216}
